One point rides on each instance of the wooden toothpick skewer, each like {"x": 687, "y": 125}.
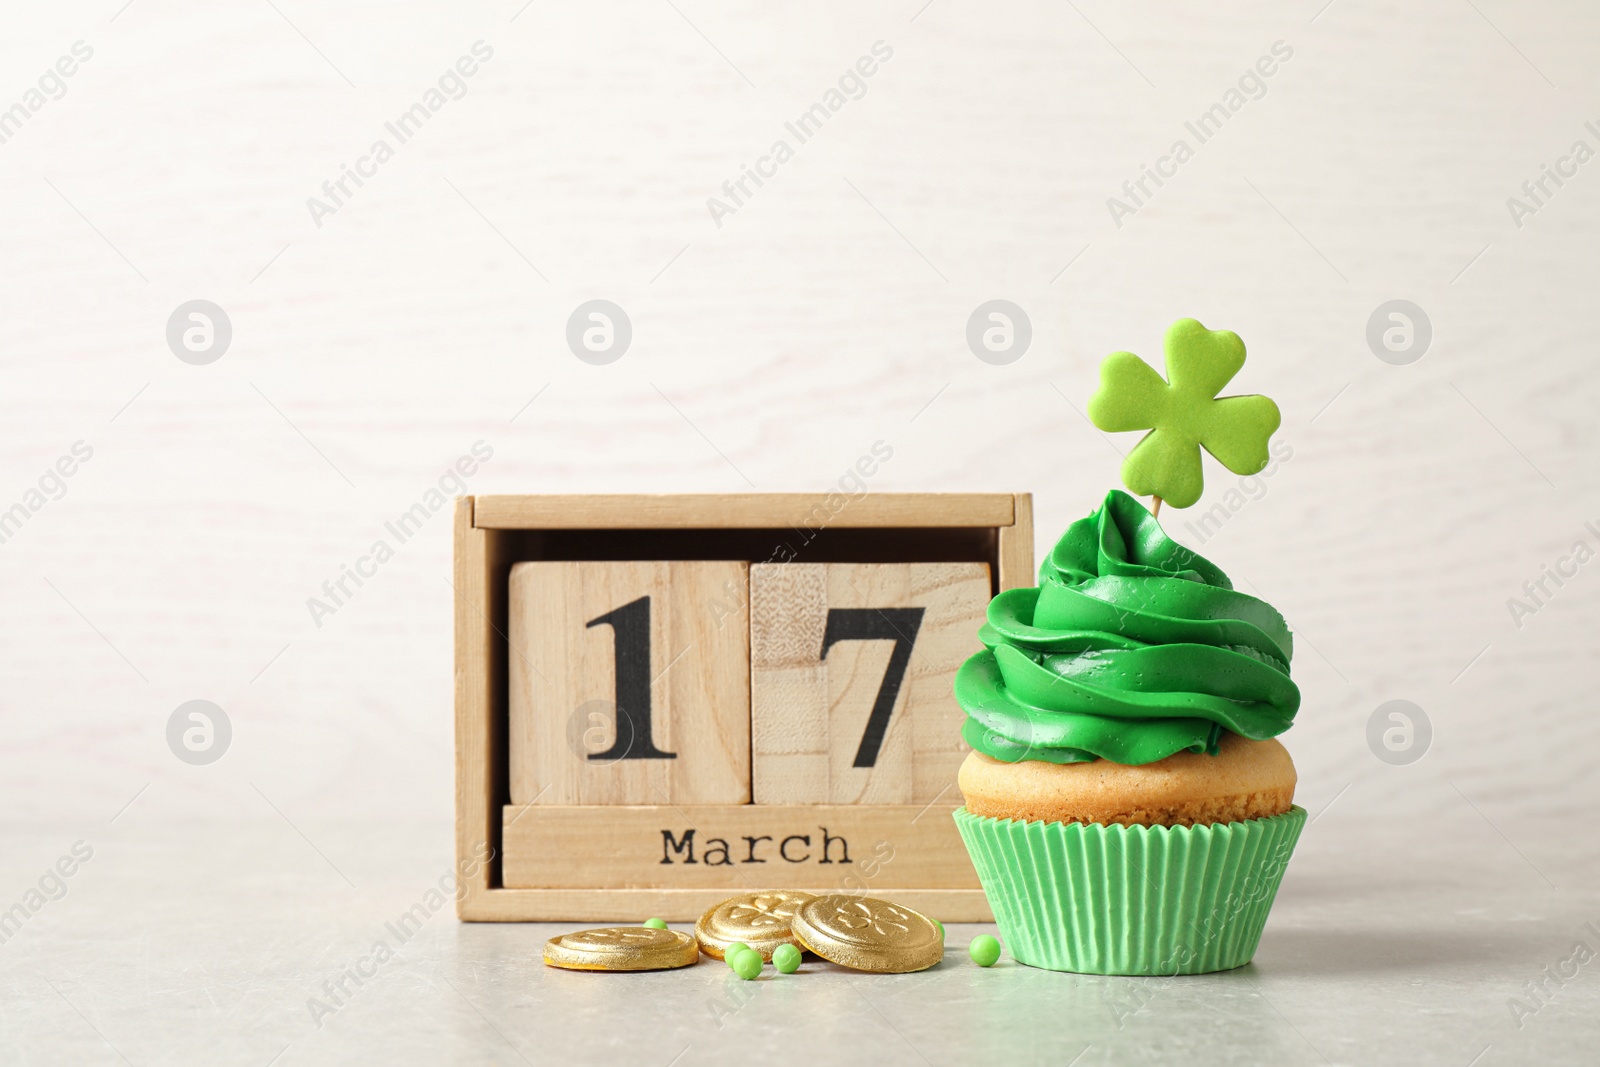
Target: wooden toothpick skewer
{"x": 1155, "y": 512}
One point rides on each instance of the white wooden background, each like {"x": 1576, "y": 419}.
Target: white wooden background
{"x": 826, "y": 314}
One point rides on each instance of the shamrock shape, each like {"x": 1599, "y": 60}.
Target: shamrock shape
{"x": 1183, "y": 413}
{"x": 766, "y": 910}
{"x": 612, "y": 936}
{"x": 885, "y": 921}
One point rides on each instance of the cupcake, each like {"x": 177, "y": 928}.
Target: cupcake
{"x": 1126, "y": 805}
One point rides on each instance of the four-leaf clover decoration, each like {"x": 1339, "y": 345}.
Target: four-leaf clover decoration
{"x": 766, "y": 910}
{"x": 1183, "y": 413}
{"x": 612, "y": 937}
{"x": 885, "y": 920}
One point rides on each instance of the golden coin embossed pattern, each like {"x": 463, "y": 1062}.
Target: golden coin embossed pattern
{"x": 621, "y": 948}
{"x": 760, "y": 920}
{"x": 868, "y": 934}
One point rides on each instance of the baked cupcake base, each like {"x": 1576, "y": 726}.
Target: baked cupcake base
{"x": 1136, "y": 900}
{"x": 1244, "y": 780}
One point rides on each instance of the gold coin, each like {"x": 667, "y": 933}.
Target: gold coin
{"x": 868, "y": 934}
{"x": 760, "y": 920}
{"x": 621, "y": 948}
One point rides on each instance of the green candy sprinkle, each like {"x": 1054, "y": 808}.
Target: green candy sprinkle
{"x": 984, "y": 950}
{"x": 786, "y": 958}
{"x": 746, "y": 964}
{"x": 940, "y": 925}
{"x": 734, "y": 951}
{"x": 656, "y": 924}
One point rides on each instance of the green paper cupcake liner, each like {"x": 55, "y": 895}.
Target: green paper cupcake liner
{"x": 1141, "y": 900}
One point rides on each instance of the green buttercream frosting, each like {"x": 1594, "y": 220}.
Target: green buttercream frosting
{"x": 1131, "y": 648}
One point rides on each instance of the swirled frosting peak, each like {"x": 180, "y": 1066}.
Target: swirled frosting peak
{"x": 1131, "y": 648}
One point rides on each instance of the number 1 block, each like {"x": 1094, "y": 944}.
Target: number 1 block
{"x": 851, "y": 668}
{"x": 629, "y": 683}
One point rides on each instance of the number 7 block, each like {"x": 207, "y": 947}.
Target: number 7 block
{"x": 850, "y": 673}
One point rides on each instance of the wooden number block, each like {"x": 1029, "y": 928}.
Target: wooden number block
{"x": 629, "y": 682}
{"x": 851, "y": 668}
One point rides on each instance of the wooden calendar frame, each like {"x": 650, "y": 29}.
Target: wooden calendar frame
{"x": 492, "y": 532}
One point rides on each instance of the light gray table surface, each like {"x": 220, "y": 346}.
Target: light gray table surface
{"x": 1391, "y": 941}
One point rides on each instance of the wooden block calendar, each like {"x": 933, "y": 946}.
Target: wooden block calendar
{"x": 661, "y": 700}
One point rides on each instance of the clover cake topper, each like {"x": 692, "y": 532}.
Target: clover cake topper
{"x": 1183, "y": 413}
